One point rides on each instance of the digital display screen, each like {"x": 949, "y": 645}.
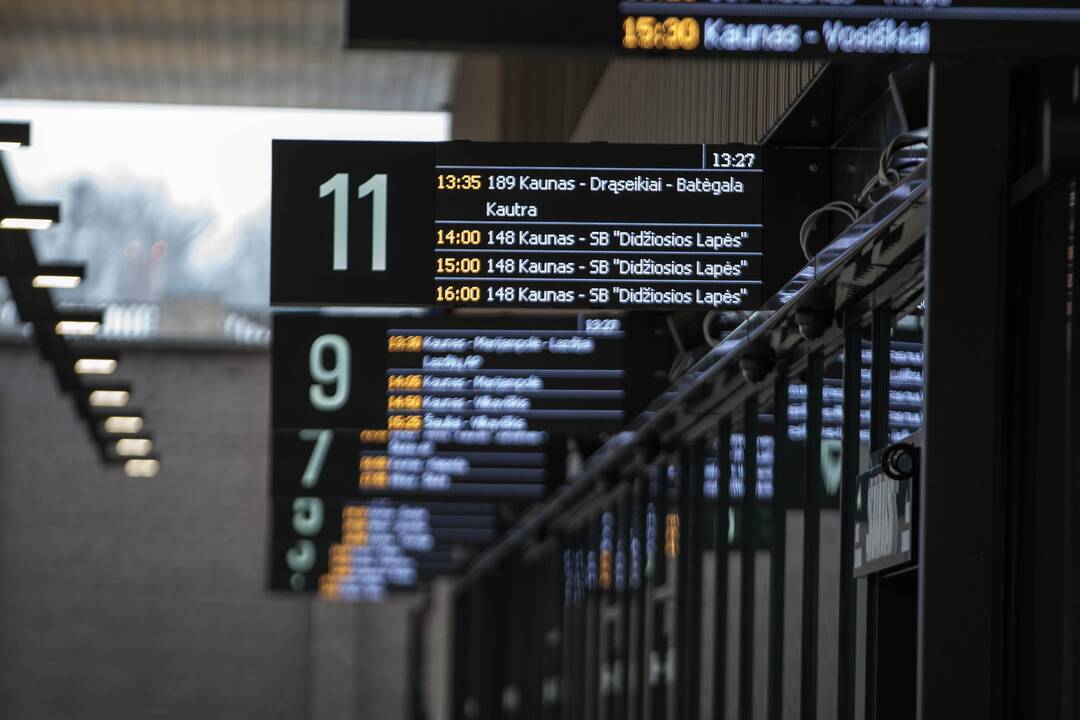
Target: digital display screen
{"x": 852, "y": 28}
{"x": 362, "y": 550}
{"x": 393, "y": 437}
{"x": 452, "y": 406}
{"x": 525, "y": 226}
{"x": 490, "y": 375}
{"x": 829, "y": 28}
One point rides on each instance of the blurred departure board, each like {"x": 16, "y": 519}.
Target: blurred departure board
{"x": 362, "y": 550}
{"x": 850, "y": 28}
{"x": 524, "y": 226}
{"x": 466, "y": 464}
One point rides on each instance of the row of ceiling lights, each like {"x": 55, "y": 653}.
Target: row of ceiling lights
{"x": 81, "y": 370}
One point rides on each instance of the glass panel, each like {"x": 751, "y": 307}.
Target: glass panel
{"x": 621, "y": 602}
{"x": 830, "y": 475}
{"x": 710, "y": 545}
{"x": 551, "y": 681}
{"x": 637, "y": 658}
{"x": 793, "y": 474}
{"x": 736, "y": 490}
{"x": 653, "y": 536}
{"x": 574, "y": 647}
{"x": 671, "y": 523}
{"x": 666, "y": 611}
{"x": 608, "y": 647}
{"x": 866, "y": 394}
{"x": 765, "y": 443}
{"x": 905, "y": 375}
{"x": 658, "y": 572}
{"x": 592, "y": 657}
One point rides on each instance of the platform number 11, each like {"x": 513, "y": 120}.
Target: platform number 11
{"x": 376, "y": 186}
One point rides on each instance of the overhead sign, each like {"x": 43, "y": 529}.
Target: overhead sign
{"x": 488, "y": 375}
{"x": 445, "y": 414}
{"x": 851, "y": 28}
{"x": 490, "y": 225}
{"x": 818, "y": 28}
{"x": 885, "y": 528}
{"x": 466, "y": 408}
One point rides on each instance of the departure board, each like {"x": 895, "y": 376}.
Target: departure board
{"x": 416, "y": 463}
{"x": 490, "y": 225}
{"x": 394, "y": 437}
{"x": 363, "y": 550}
{"x": 450, "y": 407}
{"x": 850, "y": 28}
{"x": 821, "y": 28}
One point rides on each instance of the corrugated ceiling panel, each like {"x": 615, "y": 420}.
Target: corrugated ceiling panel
{"x": 659, "y": 100}
{"x": 286, "y": 53}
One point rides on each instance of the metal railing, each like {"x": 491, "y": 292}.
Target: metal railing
{"x": 898, "y": 218}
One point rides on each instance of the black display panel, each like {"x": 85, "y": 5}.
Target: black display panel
{"x": 441, "y": 406}
{"x": 561, "y": 374}
{"x": 418, "y": 464}
{"x": 428, "y": 24}
{"x": 850, "y": 28}
{"x": 362, "y": 550}
{"x": 528, "y": 226}
{"x": 393, "y": 437}
{"x": 817, "y": 28}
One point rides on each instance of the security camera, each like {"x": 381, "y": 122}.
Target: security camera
{"x": 900, "y": 461}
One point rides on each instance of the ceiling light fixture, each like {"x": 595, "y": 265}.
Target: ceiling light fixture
{"x": 59, "y": 277}
{"x": 109, "y": 398}
{"x": 123, "y": 424}
{"x": 14, "y": 135}
{"x": 134, "y": 447}
{"x": 29, "y": 217}
{"x": 142, "y": 468}
{"x": 95, "y": 366}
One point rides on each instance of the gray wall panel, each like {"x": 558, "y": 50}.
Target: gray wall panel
{"x": 125, "y": 598}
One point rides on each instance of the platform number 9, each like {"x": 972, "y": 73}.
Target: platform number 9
{"x": 329, "y": 362}
{"x": 331, "y": 389}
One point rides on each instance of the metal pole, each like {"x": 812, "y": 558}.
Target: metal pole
{"x": 965, "y": 461}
